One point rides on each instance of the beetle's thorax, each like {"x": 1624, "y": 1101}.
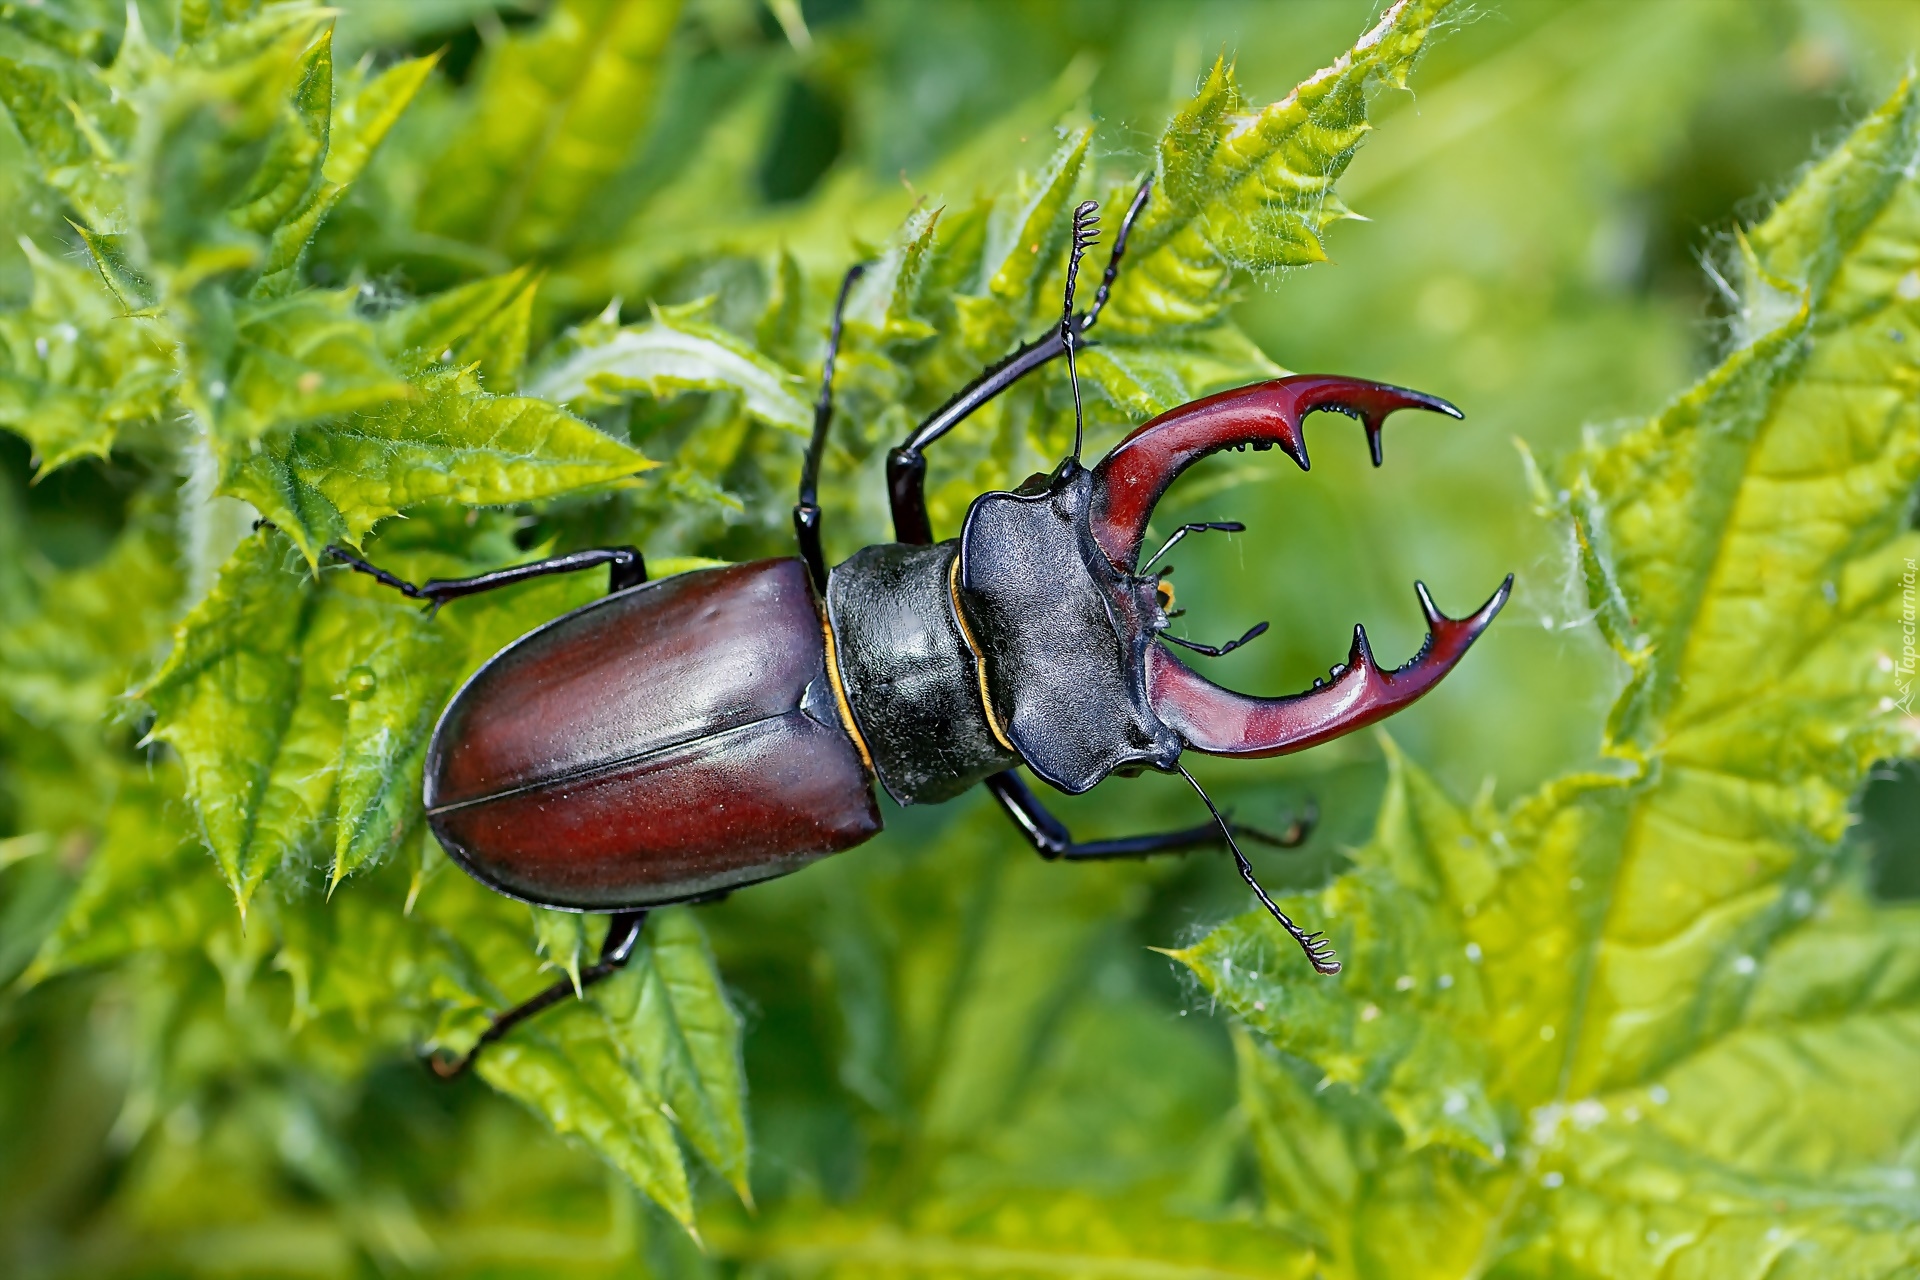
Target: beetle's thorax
{"x": 1062, "y": 634}
{"x": 909, "y": 672}
{"x": 1017, "y": 643}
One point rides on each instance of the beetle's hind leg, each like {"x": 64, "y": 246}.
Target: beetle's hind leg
{"x": 626, "y": 567}
{"x": 623, "y": 935}
{"x": 1052, "y": 840}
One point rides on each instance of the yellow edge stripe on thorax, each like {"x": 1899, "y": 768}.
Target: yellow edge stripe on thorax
{"x": 840, "y": 692}
{"x": 979, "y": 659}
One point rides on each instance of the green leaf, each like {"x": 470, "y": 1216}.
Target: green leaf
{"x": 301, "y": 708}
{"x": 291, "y": 360}
{"x": 110, "y": 259}
{"x": 369, "y": 107}
{"x": 560, "y": 110}
{"x": 1030, "y": 1234}
{"x": 289, "y": 177}
{"x": 412, "y": 665}
{"x": 561, "y": 936}
{"x": 666, "y": 357}
{"x": 484, "y": 323}
{"x": 1144, "y": 380}
{"x": 569, "y": 1068}
{"x": 75, "y": 128}
{"x": 73, "y": 34}
{"x": 1024, "y": 236}
{"x": 65, "y": 665}
{"x": 234, "y": 140}
{"x": 74, "y": 369}
{"x": 1649, "y": 1007}
{"x": 447, "y": 440}
{"x": 366, "y": 111}
{"x": 683, "y": 1034}
{"x": 887, "y": 295}
{"x": 146, "y": 890}
{"x": 229, "y": 701}
{"x": 1248, "y": 188}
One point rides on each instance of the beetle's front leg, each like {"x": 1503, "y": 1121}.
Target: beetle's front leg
{"x": 623, "y": 936}
{"x": 907, "y": 464}
{"x": 1051, "y": 839}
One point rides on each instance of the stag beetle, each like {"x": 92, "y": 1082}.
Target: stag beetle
{"x": 681, "y": 738}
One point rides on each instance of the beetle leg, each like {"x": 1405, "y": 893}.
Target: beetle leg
{"x": 623, "y": 935}
{"x": 806, "y": 509}
{"x": 1052, "y": 840}
{"x": 907, "y": 465}
{"x": 626, "y": 567}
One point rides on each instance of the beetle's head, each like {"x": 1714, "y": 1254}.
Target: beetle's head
{"x": 1070, "y": 624}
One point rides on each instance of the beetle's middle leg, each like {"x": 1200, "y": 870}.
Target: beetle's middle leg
{"x": 626, "y": 567}
{"x": 1051, "y": 839}
{"x": 806, "y": 509}
{"x": 623, "y": 935}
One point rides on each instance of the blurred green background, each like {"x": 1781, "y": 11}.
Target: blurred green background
{"x": 936, "y": 1018}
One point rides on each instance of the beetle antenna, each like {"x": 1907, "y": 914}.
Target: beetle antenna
{"x": 1205, "y": 526}
{"x": 1254, "y": 632}
{"x": 1086, "y": 233}
{"x": 1319, "y": 950}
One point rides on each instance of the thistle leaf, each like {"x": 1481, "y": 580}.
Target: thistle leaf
{"x": 560, "y": 109}
{"x": 74, "y": 128}
{"x": 561, "y": 936}
{"x": 74, "y": 370}
{"x": 226, "y": 701}
{"x": 682, "y": 1033}
{"x": 368, "y": 109}
{"x": 484, "y": 323}
{"x": 666, "y": 357}
{"x": 571, "y": 1072}
{"x": 291, "y": 360}
{"x": 301, "y": 708}
{"x": 387, "y": 731}
{"x": 446, "y": 440}
{"x": 1249, "y": 188}
{"x": 1024, "y": 238}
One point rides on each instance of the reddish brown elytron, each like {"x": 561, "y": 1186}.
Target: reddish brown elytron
{"x": 1132, "y": 478}
{"x": 669, "y": 742}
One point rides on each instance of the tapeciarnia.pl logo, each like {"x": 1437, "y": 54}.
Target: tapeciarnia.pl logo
{"x": 1903, "y": 670}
